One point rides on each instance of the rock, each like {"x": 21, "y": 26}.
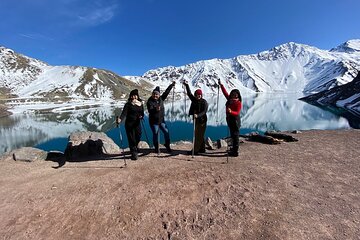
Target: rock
{"x": 221, "y": 143}
{"x": 83, "y": 144}
{"x": 281, "y": 136}
{"x": 143, "y": 145}
{"x": 209, "y": 143}
{"x": 255, "y": 137}
{"x": 28, "y": 154}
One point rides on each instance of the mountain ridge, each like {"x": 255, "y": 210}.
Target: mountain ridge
{"x": 289, "y": 67}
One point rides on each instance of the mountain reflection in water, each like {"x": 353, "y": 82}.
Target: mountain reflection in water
{"x": 263, "y": 112}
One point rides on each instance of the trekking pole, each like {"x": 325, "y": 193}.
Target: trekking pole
{"x": 158, "y": 133}
{"x": 172, "y": 103}
{"x": 142, "y": 123}
{"x": 185, "y": 102}
{"x": 227, "y": 147}
{"x": 193, "y": 149}
{"x": 121, "y": 138}
{"x": 217, "y": 105}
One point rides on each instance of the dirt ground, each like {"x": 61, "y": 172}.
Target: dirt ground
{"x": 308, "y": 189}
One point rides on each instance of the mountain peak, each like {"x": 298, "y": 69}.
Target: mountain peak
{"x": 286, "y": 50}
{"x": 350, "y": 46}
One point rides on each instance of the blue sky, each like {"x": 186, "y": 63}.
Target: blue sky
{"x": 130, "y": 37}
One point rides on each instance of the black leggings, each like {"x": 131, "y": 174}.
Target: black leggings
{"x": 133, "y": 133}
{"x": 234, "y": 127}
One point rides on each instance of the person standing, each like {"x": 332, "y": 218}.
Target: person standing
{"x": 156, "y": 109}
{"x": 233, "y": 120}
{"x": 133, "y": 112}
{"x": 198, "y": 109}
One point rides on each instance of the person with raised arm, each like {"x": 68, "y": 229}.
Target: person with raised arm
{"x": 156, "y": 109}
{"x": 233, "y": 120}
{"x": 198, "y": 109}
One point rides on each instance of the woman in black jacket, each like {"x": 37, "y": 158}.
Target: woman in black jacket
{"x": 155, "y": 106}
{"x": 198, "y": 109}
{"x": 133, "y": 112}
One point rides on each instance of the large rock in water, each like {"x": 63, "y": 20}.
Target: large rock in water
{"x": 87, "y": 144}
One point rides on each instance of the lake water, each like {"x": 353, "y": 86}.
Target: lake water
{"x": 260, "y": 113}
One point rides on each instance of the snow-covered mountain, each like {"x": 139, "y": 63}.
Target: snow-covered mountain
{"x": 344, "y": 96}
{"x": 25, "y": 77}
{"x": 288, "y": 68}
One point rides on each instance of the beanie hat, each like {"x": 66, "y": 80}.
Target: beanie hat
{"x": 134, "y": 92}
{"x": 157, "y": 90}
{"x": 198, "y": 92}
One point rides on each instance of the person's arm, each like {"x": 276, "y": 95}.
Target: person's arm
{"x": 202, "y": 113}
{"x": 226, "y": 94}
{"x": 124, "y": 112}
{"x": 235, "y": 110}
{"x": 223, "y": 90}
{"x": 167, "y": 91}
{"x": 188, "y": 91}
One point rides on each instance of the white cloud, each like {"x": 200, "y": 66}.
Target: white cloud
{"x": 97, "y": 16}
{"x": 35, "y": 36}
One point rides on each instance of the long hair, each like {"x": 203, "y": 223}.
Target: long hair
{"x": 238, "y": 93}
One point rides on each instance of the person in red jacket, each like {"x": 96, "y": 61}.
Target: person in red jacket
{"x": 233, "y": 108}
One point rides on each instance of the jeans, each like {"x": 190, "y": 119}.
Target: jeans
{"x": 155, "y": 132}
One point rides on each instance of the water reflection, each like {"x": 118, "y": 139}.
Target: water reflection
{"x": 260, "y": 113}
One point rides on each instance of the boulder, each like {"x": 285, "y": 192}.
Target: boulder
{"x": 209, "y": 143}
{"x": 221, "y": 143}
{"x": 143, "y": 145}
{"x": 85, "y": 144}
{"x": 281, "y": 136}
{"x": 28, "y": 154}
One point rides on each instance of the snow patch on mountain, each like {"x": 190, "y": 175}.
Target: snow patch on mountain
{"x": 350, "y": 46}
{"x": 287, "y": 68}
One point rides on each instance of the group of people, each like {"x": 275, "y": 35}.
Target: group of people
{"x": 133, "y": 113}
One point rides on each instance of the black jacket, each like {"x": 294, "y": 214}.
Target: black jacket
{"x": 133, "y": 113}
{"x": 157, "y": 116}
{"x": 198, "y": 107}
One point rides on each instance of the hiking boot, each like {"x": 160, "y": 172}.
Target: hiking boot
{"x": 233, "y": 154}
{"x": 156, "y": 150}
{"x": 134, "y": 156}
{"x": 168, "y": 149}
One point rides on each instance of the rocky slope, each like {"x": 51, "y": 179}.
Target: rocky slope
{"x": 25, "y": 77}
{"x": 345, "y": 96}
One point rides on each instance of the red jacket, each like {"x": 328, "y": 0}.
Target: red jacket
{"x": 234, "y": 104}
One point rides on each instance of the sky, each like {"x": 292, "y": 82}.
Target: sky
{"x": 130, "y": 37}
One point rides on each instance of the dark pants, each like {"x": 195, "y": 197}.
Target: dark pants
{"x": 133, "y": 133}
{"x": 199, "y": 145}
{"x": 234, "y": 127}
{"x": 155, "y": 131}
